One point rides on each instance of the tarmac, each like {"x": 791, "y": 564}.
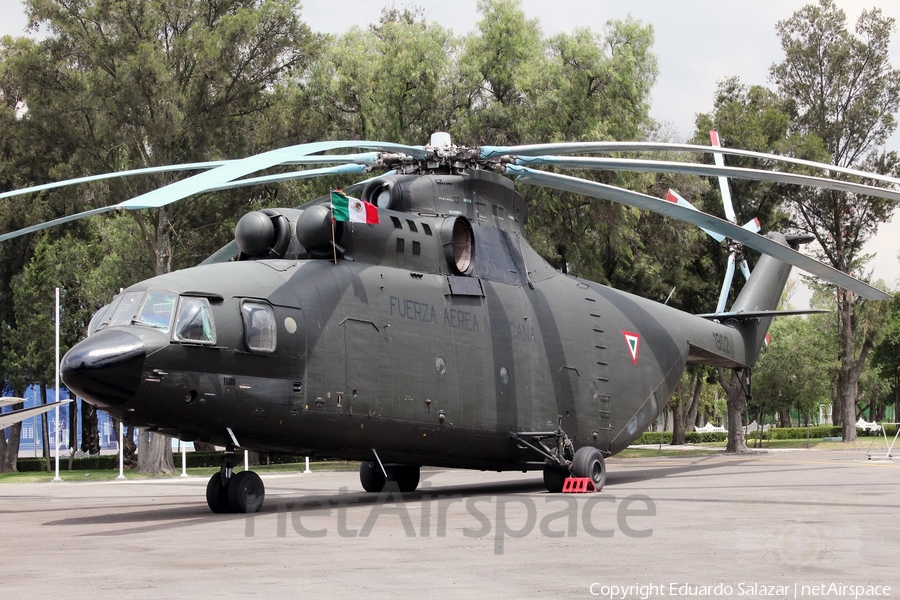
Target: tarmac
{"x": 802, "y": 524}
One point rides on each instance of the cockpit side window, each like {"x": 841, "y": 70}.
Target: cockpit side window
{"x": 259, "y": 326}
{"x": 194, "y": 322}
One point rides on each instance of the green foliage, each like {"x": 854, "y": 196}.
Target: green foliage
{"x": 797, "y": 368}
{"x": 886, "y": 355}
{"x": 693, "y": 437}
{"x": 118, "y": 85}
{"x": 392, "y": 81}
{"x": 819, "y": 431}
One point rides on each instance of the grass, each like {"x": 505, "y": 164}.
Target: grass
{"x": 861, "y": 445}
{"x": 692, "y": 451}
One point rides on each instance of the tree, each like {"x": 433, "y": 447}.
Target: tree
{"x": 391, "y": 81}
{"x": 886, "y": 354}
{"x": 845, "y": 93}
{"x": 794, "y": 371}
{"x": 128, "y": 84}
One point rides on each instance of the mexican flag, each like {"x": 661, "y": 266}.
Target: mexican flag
{"x": 345, "y": 208}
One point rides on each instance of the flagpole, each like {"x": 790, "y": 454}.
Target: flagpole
{"x": 333, "y": 244}
{"x": 56, "y": 416}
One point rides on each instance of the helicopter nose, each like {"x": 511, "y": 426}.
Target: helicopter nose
{"x": 106, "y": 367}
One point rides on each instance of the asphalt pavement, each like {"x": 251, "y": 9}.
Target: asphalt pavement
{"x": 802, "y": 524}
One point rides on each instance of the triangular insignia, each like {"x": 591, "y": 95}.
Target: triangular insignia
{"x": 634, "y": 343}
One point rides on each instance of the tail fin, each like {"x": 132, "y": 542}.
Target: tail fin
{"x": 761, "y": 293}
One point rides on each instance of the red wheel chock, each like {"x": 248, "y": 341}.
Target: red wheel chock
{"x": 578, "y": 485}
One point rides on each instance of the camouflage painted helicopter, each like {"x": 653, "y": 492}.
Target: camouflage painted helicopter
{"x": 436, "y": 337}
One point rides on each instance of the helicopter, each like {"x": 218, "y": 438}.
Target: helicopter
{"x": 414, "y": 325}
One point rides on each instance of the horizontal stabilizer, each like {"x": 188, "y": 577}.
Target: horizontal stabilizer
{"x": 761, "y": 314}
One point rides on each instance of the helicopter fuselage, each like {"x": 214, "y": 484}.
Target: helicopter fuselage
{"x": 433, "y": 355}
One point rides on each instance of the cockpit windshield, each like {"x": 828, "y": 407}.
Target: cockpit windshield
{"x": 146, "y": 309}
{"x": 156, "y": 311}
{"x": 193, "y": 320}
{"x": 125, "y": 309}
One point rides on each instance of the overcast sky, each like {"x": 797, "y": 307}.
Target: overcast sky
{"x": 698, "y": 43}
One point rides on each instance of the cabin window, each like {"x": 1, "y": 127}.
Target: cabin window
{"x": 259, "y": 326}
{"x": 194, "y": 322}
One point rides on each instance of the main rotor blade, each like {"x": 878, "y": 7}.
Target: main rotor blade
{"x": 753, "y": 240}
{"x": 17, "y": 416}
{"x": 308, "y": 174}
{"x": 230, "y": 250}
{"x": 366, "y": 158}
{"x": 606, "y": 147}
{"x": 240, "y": 168}
{"x": 114, "y": 175}
{"x": 661, "y": 166}
{"x": 135, "y": 204}
{"x": 219, "y": 177}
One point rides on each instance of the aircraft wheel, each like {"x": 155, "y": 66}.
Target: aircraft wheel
{"x": 406, "y": 476}
{"x": 370, "y": 476}
{"x": 589, "y": 463}
{"x": 217, "y": 495}
{"x": 554, "y": 478}
{"x": 246, "y": 492}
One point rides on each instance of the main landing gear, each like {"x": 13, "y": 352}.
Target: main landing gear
{"x": 229, "y": 492}
{"x": 373, "y": 478}
{"x": 561, "y": 460}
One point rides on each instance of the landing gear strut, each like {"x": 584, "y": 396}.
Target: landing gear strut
{"x": 229, "y": 492}
{"x": 561, "y": 460}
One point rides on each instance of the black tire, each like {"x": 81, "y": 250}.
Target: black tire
{"x": 589, "y": 463}
{"x": 371, "y": 477}
{"x": 217, "y": 495}
{"x": 554, "y": 478}
{"x": 405, "y": 476}
{"x": 246, "y": 492}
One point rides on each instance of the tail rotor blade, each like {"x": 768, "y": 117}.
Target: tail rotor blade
{"x": 726, "y": 284}
{"x": 753, "y": 225}
{"x": 745, "y": 269}
{"x": 723, "y": 181}
{"x": 673, "y": 196}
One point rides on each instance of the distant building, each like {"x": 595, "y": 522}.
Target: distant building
{"x": 31, "y": 440}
